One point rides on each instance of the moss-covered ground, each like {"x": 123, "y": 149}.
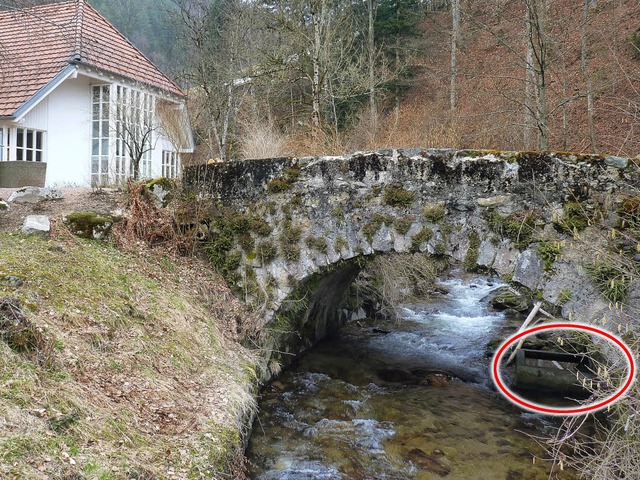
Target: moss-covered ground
{"x": 140, "y": 374}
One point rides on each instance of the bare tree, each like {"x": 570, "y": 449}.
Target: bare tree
{"x": 134, "y": 128}
{"x": 320, "y": 47}
{"x": 537, "y": 64}
{"x": 221, "y": 66}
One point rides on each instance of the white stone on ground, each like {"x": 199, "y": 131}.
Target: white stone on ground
{"x": 36, "y": 225}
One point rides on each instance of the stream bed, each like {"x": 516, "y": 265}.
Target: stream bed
{"x": 408, "y": 399}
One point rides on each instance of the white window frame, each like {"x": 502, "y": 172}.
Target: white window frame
{"x": 100, "y": 134}
{"x": 111, "y": 160}
{"x": 26, "y": 145}
{"x": 23, "y": 144}
{"x": 4, "y": 139}
{"x": 170, "y": 164}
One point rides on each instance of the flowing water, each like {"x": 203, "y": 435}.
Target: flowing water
{"x": 400, "y": 400}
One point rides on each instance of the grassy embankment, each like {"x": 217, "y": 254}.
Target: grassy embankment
{"x": 132, "y": 371}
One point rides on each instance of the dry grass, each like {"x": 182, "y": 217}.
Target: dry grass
{"x": 144, "y": 221}
{"x": 261, "y": 139}
{"x": 397, "y": 279}
{"x": 147, "y": 379}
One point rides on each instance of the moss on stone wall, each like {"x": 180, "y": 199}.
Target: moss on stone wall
{"x": 434, "y": 212}
{"x": 518, "y": 227}
{"x": 398, "y": 197}
{"x": 549, "y": 252}
{"x": 420, "y": 238}
{"x": 403, "y": 224}
{"x": 470, "y": 261}
{"x": 377, "y": 220}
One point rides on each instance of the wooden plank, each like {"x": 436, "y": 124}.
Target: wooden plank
{"x": 525, "y": 324}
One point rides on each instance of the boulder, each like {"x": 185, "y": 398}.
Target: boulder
{"x": 616, "y": 162}
{"x": 505, "y": 298}
{"x": 529, "y": 269}
{"x": 161, "y": 190}
{"x": 36, "y": 225}
{"x": 90, "y": 224}
{"x": 13, "y": 280}
{"x": 34, "y": 195}
{"x": 3, "y": 205}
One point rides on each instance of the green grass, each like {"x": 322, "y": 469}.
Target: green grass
{"x": 549, "y": 252}
{"x": 613, "y": 282}
{"x": 127, "y": 333}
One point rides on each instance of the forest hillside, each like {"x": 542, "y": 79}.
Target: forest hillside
{"x": 295, "y": 77}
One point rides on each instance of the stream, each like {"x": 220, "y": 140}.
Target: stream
{"x": 408, "y": 399}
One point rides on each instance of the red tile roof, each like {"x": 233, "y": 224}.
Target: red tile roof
{"x": 38, "y": 43}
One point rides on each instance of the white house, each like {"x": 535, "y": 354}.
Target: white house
{"x": 78, "y": 100}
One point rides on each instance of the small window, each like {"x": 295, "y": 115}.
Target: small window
{"x": 170, "y": 164}
{"x": 29, "y": 145}
{"x": 1, "y": 144}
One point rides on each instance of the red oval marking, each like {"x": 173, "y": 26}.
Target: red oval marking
{"x": 497, "y": 379}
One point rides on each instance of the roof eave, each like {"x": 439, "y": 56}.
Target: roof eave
{"x": 168, "y": 93}
{"x": 36, "y": 98}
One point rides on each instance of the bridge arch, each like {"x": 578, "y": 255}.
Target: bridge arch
{"x": 287, "y": 224}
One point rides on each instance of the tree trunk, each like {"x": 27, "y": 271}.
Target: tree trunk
{"x": 455, "y": 35}
{"x": 529, "y": 88}
{"x": 585, "y": 74}
{"x": 536, "y": 33}
{"x": 373, "y": 112}
{"x": 316, "y": 87}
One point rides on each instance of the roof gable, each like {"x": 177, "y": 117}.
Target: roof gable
{"x": 38, "y": 43}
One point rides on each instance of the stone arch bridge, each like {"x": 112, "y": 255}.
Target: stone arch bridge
{"x": 289, "y": 232}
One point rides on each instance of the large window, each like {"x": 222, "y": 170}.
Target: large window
{"x": 170, "y": 164}
{"x": 100, "y": 135}
{"x": 122, "y": 133}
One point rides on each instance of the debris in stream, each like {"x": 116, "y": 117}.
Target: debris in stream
{"x": 430, "y": 463}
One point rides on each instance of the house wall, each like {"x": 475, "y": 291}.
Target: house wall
{"x": 65, "y": 114}
{"x": 69, "y": 134}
